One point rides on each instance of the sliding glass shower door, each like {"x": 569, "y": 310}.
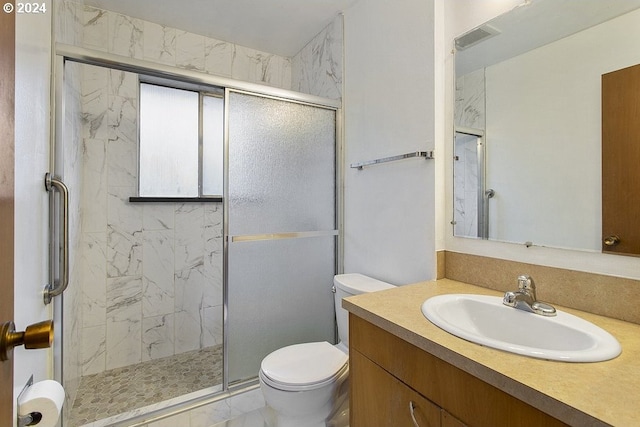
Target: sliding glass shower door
{"x": 281, "y": 227}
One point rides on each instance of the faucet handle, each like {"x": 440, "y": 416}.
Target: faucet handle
{"x": 525, "y": 283}
{"x": 509, "y": 299}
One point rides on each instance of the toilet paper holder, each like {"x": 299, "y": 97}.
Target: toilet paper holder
{"x": 33, "y": 418}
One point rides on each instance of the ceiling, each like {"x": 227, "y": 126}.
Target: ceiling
{"x": 282, "y": 27}
{"x": 537, "y": 23}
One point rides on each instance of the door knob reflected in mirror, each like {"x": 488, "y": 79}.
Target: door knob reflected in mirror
{"x": 38, "y": 335}
{"x": 611, "y": 240}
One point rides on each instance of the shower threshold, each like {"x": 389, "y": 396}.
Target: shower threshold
{"x": 121, "y": 390}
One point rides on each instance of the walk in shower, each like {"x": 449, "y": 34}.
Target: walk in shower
{"x": 174, "y": 299}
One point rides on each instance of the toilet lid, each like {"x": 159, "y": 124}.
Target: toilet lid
{"x": 304, "y": 364}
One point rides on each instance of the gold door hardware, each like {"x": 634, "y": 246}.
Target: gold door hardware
{"x": 38, "y": 335}
{"x": 611, "y": 240}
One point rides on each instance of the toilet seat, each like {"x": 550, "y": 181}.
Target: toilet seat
{"x": 303, "y": 366}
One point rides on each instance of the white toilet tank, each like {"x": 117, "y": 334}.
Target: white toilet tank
{"x": 347, "y": 285}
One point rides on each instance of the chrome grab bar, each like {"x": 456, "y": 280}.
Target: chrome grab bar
{"x": 57, "y": 287}
{"x": 426, "y": 154}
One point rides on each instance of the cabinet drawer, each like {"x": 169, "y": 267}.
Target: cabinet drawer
{"x": 469, "y": 399}
{"x": 378, "y": 399}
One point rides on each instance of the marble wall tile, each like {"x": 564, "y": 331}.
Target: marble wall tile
{"x": 125, "y": 35}
{"x": 213, "y": 254}
{"x": 94, "y": 190}
{"x": 212, "y": 325}
{"x": 159, "y": 43}
{"x": 218, "y": 57}
{"x": 124, "y": 299}
{"x": 189, "y": 230}
{"x": 94, "y": 342}
{"x": 190, "y": 336}
{"x": 471, "y": 217}
{"x": 189, "y": 51}
{"x": 191, "y": 314}
{"x": 124, "y": 343}
{"x": 121, "y": 213}
{"x": 158, "y": 273}
{"x": 122, "y": 118}
{"x": 471, "y": 165}
{"x": 68, "y": 26}
{"x": 124, "y": 252}
{"x": 260, "y": 67}
{"x": 93, "y": 258}
{"x": 157, "y": 337}
{"x": 122, "y": 164}
{"x": 124, "y": 239}
{"x": 123, "y": 84}
{"x": 95, "y": 28}
{"x": 95, "y": 102}
{"x": 317, "y": 68}
{"x": 158, "y": 216}
{"x": 470, "y": 100}
{"x": 124, "y": 322}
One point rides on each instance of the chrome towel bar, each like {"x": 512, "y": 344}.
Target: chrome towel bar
{"x": 57, "y": 287}
{"x": 426, "y": 154}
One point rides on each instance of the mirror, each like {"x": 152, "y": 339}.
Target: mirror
{"x": 528, "y": 85}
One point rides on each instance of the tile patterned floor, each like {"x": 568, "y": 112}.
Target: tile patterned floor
{"x": 258, "y": 418}
{"x": 119, "y": 390}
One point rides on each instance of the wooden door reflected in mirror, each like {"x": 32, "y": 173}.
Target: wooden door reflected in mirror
{"x": 621, "y": 161}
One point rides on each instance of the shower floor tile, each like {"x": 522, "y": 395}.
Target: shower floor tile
{"x": 120, "y": 390}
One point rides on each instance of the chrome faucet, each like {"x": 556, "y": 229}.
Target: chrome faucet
{"x": 525, "y": 298}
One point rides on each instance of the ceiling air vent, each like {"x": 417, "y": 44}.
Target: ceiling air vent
{"x": 475, "y": 36}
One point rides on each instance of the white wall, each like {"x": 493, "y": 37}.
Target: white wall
{"x": 389, "y": 110}
{"x": 460, "y": 17}
{"x": 31, "y": 202}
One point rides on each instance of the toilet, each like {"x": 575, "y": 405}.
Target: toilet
{"x": 306, "y": 385}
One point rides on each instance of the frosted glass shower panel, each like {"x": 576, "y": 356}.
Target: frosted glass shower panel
{"x": 282, "y": 174}
{"x": 282, "y": 179}
{"x": 279, "y": 294}
{"x": 168, "y": 141}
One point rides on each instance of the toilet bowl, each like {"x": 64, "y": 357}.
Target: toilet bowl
{"x": 306, "y": 385}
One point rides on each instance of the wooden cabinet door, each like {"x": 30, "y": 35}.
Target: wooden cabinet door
{"x": 621, "y": 161}
{"x": 378, "y": 399}
{"x": 448, "y": 420}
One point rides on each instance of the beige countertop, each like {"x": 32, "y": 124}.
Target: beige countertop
{"x": 580, "y": 394}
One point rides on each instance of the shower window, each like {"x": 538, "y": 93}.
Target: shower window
{"x": 181, "y": 142}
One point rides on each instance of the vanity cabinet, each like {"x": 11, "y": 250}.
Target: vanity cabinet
{"x": 387, "y": 373}
{"x": 383, "y": 400}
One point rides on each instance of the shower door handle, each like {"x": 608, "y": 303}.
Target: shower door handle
{"x": 58, "y": 245}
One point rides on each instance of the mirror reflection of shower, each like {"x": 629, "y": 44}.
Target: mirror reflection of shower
{"x": 471, "y": 199}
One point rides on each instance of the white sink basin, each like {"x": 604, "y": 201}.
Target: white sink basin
{"x": 485, "y": 320}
